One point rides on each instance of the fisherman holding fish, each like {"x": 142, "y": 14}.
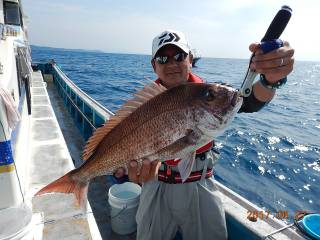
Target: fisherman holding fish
{"x": 174, "y": 121}
{"x": 194, "y": 208}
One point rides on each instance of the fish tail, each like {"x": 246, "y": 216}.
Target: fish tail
{"x": 66, "y": 184}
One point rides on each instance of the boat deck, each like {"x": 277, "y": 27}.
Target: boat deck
{"x": 49, "y": 159}
{"x": 98, "y": 188}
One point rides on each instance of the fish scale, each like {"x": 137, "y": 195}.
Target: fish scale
{"x": 143, "y": 142}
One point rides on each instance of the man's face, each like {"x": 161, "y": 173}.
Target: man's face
{"x": 173, "y": 72}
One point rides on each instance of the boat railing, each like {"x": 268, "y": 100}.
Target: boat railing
{"x": 87, "y": 113}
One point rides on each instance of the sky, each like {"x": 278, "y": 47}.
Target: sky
{"x": 216, "y": 28}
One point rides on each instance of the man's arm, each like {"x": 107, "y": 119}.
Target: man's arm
{"x": 275, "y": 65}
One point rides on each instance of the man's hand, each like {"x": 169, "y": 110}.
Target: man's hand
{"x": 276, "y": 64}
{"x": 147, "y": 172}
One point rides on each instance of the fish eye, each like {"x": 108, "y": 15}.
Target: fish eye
{"x": 209, "y": 95}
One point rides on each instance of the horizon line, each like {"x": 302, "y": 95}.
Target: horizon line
{"x": 144, "y": 54}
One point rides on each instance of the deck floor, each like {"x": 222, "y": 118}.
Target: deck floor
{"x": 99, "y": 186}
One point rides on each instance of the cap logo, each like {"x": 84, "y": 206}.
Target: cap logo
{"x": 168, "y": 37}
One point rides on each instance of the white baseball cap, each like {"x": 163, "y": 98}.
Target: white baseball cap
{"x": 170, "y": 37}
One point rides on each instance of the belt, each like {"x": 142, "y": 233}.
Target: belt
{"x": 174, "y": 177}
{"x": 172, "y": 163}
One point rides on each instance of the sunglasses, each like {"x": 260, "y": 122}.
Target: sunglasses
{"x": 179, "y": 57}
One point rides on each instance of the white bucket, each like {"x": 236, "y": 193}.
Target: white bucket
{"x": 15, "y": 223}
{"x": 124, "y": 201}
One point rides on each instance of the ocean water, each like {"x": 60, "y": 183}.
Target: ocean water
{"x": 271, "y": 157}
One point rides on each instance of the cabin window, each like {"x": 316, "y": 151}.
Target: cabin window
{"x": 12, "y": 14}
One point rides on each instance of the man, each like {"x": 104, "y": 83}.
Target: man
{"x": 194, "y": 208}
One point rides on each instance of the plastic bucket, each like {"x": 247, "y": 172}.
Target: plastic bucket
{"x": 311, "y": 224}
{"x": 15, "y": 223}
{"x": 124, "y": 201}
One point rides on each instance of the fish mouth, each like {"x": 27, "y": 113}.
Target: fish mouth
{"x": 235, "y": 98}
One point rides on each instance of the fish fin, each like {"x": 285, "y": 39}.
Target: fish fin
{"x": 148, "y": 92}
{"x": 185, "y": 165}
{"x": 175, "y": 148}
{"x": 66, "y": 184}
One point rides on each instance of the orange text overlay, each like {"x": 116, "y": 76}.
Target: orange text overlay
{"x": 254, "y": 215}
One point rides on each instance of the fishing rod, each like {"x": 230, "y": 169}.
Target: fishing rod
{"x": 269, "y": 42}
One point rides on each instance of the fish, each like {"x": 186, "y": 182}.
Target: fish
{"x": 156, "y": 124}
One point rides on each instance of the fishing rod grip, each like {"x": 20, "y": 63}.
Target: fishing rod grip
{"x": 278, "y": 24}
